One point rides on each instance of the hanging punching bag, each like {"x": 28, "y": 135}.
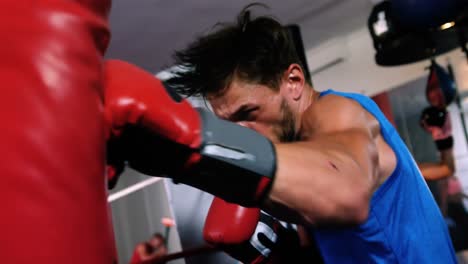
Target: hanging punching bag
{"x": 53, "y": 194}
{"x": 423, "y": 14}
{"x": 440, "y": 89}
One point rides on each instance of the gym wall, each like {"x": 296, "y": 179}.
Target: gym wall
{"x": 137, "y": 215}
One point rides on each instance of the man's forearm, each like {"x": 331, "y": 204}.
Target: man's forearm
{"x": 319, "y": 182}
{"x": 447, "y": 158}
{"x": 434, "y": 171}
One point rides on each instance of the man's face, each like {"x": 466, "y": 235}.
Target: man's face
{"x": 257, "y": 107}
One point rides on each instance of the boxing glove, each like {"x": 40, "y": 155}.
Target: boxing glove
{"x": 228, "y": 223}
{"x": 437, "y": 122}
{"x": 159, "y": 133}
{"x": 251, "y": 236}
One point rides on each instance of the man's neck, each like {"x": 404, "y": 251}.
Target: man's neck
{"x": 309, "y": 97}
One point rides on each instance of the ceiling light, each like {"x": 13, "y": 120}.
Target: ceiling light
{"x": 447, "y": 25}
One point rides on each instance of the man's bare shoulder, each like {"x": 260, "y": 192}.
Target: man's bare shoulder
{"x": 334, "y": 113}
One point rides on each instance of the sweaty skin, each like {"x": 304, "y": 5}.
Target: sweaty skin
{"x": 338, "y": 164}
{"x": 335, "y": 160}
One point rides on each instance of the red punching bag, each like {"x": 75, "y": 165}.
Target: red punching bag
{"x": 52, "y": 140}
{"x": 440, "y": 89}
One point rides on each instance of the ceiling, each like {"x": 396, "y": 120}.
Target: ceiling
{"x": 147, "y": 32}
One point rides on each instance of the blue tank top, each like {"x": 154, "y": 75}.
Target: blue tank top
{"x": 404, "y": 225}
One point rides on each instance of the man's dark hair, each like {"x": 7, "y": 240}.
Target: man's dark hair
{"x": 257, "y": 50}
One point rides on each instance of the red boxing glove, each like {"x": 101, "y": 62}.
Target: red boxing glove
{"x": 228, "y": 223}
{"x": 53, "y": 141}
{"x": 157, "y": 132}
{"x": 251, "y": 236}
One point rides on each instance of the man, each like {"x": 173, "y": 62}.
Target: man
{"x": 437, "y": 122}
{"x": 329, "y": 161}
{"x": 150, "y": 250}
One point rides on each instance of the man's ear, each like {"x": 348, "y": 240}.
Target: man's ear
{"x": 295, "y": 81}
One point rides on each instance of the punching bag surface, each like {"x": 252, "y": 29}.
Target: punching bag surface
{"x": 53, "y": 194}
{"x": 440, "y": 89}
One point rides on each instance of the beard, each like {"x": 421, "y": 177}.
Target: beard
{"x": 286, "y": 130}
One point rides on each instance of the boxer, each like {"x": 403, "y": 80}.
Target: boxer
{"x": 437, "y": 123}
{"x": 326, "y": 160}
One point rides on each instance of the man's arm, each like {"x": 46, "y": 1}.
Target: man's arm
{"x": 334, "y": 171}
{"x": 447, "y": 157}
{"x": 434, "y": 171}
{"x": 441, "y": 170}
{"x": 331, "y": 176}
